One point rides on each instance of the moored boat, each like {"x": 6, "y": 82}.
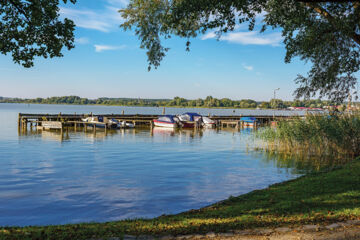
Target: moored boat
{"x": 207, "y": 122}
{"x": 168, "y": 121}
{"x": 190, "y": 119}
{"x": 125, "y": 124}
{"x": 121, "y": 124}
{"x": 100, "y": 122}
{"x": 248, "y": 121}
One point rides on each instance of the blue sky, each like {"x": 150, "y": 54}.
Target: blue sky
{"x": 107, "y": 62}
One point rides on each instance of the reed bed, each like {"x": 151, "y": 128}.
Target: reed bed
{"x": 317, "y": 139}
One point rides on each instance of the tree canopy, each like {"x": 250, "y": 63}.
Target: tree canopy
{"x": 326, "y": 34}
{"x": 33, "y": 28}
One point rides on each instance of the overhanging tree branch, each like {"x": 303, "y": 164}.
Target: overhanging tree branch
{"x": 331, "y": 19}
{"x": 16, "y": 5}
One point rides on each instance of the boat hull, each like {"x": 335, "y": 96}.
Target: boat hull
{"x": 209, "y": 125}
{"x": 188, "y": 125}
{"x": 158, "y": 123}
{"x": 248, "y": 124}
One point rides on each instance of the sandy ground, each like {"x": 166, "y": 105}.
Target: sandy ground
{"x": 349, "y": 230}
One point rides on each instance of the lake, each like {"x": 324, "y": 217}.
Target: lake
{"x": 135, "y": 173}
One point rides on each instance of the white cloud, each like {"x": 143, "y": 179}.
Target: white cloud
{"x": 248, "y": 67}
{"x": 105, "y": 20}
{"x": 253, "y": 38}
{"x": 82, "y": 40}
{"x": 208, "y": 35}
{"x": 86, "y": 19}
{"x": 118, "y": 3}
{"x": 249, "y": 38}
{"x": 101, "y": 48}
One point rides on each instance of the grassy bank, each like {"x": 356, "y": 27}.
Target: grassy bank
{"x": 315, "y": 198}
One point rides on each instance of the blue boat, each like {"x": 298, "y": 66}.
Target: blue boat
{"x": 248, "y": 121}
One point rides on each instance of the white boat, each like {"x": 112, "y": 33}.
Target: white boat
{"x": 207, "y": 122}
{"x": 124, "y": 124}
{"x": 100, "y": 122}
{"x": 168, "y": 121}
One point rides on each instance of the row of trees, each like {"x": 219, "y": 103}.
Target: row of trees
{"x": 209, "y": 102}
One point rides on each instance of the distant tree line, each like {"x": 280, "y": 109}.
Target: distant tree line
{"x": 208, "y": 102}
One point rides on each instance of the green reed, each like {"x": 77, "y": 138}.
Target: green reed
{"x": 314, "y": 139}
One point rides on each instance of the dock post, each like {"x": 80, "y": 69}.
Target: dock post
{"x": 94, "y": 126}
{"x": 62, "y": 129}
{"x": 122, "y": 112}
{"x": 105, "y": 129}
{"x": 85, "y": 127}
{"x": 25, "y": 124}
{"x": 75, "y": 126}
{"x": 19, "y": 120}
{"x": 163, "y": 111}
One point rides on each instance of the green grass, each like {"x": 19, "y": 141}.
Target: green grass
{"x": 314, "y": 198}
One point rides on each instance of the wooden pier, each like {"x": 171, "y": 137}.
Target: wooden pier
{"x": 64, "y": 121}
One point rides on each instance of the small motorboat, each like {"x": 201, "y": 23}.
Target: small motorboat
{"x": 169, "y": 121}
{"x": 100, "y": 122}
{"x": 125, "y": 124}
{"x": 248, "y": 121}
{"x": 190, "y": 119}
{"x": 207, "y": 122}
{"x": 121, "y": 124}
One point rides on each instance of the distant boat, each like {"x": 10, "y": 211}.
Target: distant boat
{"x": 248, "y": 121}
{"x": 189, "y": 119}
{"x": 207, "y": 122}
{"x": 100, "y": 122}
{"x": 125, "y": 124}
{"x": 168, "y": 121}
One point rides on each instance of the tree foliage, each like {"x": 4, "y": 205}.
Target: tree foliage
{"x": 208, "y": 102}
{"x": 326, "y": 34}
{"x": 32, "y": 28}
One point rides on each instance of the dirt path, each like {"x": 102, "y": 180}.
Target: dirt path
{"x": 349, "y": 230}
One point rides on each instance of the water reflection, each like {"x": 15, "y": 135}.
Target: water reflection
{"x": 54, "y": 177}
{"x": 300, "y": 162}
{"x": 70, "y": 133}
{"x": 297, "y": 163}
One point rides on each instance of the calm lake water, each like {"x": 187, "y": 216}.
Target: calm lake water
{"x": 82, "y": 177}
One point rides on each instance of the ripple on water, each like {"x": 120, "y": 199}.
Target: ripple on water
{"x": 134, "y": 173}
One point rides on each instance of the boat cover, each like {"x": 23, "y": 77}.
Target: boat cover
{"x": 167, "y": 118}
{"x": 192, "y": 115}
{"x": 248, "y": 119}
